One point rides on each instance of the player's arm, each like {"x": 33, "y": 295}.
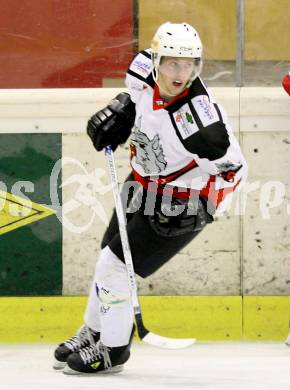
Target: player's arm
{"x": 112, "y": 125}
{"x": 230, "y": 166}
{"x": 212, "y": 141}
{"x": 224, "y": 157}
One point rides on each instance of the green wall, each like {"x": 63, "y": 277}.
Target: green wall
{"x": 30, "y": 255}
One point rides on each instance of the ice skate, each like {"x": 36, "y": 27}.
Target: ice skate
{"x": 98, "y": 359}
{"x": 84, "y": 338}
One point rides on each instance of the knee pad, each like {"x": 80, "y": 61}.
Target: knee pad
{"x": 111, "y": 279}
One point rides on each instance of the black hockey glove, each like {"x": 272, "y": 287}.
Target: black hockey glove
{"x": 112, "y": 125}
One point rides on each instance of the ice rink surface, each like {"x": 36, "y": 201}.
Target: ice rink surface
{"x": 205, "y": 366}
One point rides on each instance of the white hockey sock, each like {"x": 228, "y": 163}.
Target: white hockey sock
{"x": 110, "y": 312}
{"x": 92, "y": 312}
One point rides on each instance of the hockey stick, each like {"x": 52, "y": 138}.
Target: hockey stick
{"x": 144, "y": 333}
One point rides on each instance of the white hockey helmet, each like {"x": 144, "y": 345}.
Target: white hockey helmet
{"x": 176, "y": 40}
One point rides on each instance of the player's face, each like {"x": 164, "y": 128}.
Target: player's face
{"x": 174, "y": 73}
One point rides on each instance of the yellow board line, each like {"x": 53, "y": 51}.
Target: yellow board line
{"x": 266, "y": 318}
{"x": 16, "y": 212}
{"x": 207, "y": 318}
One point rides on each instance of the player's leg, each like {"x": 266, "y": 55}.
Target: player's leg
{"x": 94, "y": 317}
{"x": 89, "y": 332}
{"x": 167, "y": 235}
{"x": 87, "y": 335}
{"x": 115, "y": 321}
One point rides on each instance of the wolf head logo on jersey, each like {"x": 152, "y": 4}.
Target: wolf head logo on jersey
{"x": 149, "y": 153}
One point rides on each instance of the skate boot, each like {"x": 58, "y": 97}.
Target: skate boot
{"x": 98, "y": 358}
{"x": 84, "y": 337}
{"x": 287, "y": 342}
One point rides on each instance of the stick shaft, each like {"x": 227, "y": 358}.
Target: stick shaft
{"x": 123, "y": 231}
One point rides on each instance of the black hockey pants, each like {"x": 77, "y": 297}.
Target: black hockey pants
{"x": 155, "y": 239}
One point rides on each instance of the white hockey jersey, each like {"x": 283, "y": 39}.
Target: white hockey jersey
{"x": 185, "y": 145}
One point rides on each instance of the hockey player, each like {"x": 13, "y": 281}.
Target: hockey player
{"x": 286, "y": 82}
{"x": 184, "y": 157}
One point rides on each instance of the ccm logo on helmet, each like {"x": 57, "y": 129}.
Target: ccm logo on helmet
{"x": 185, "y": 48}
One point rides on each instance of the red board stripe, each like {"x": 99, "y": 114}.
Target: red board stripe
{"x": 64, "y": 43}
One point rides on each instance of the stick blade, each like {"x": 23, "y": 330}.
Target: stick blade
{"x": 167, "y": 342}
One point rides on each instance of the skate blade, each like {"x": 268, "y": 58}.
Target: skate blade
{"x": 111, "y": 370}
{"x": 58, "y": 365}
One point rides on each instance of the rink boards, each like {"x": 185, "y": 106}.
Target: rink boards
{"x": 216, "y": 318}
{"x": 240, "y": 262}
